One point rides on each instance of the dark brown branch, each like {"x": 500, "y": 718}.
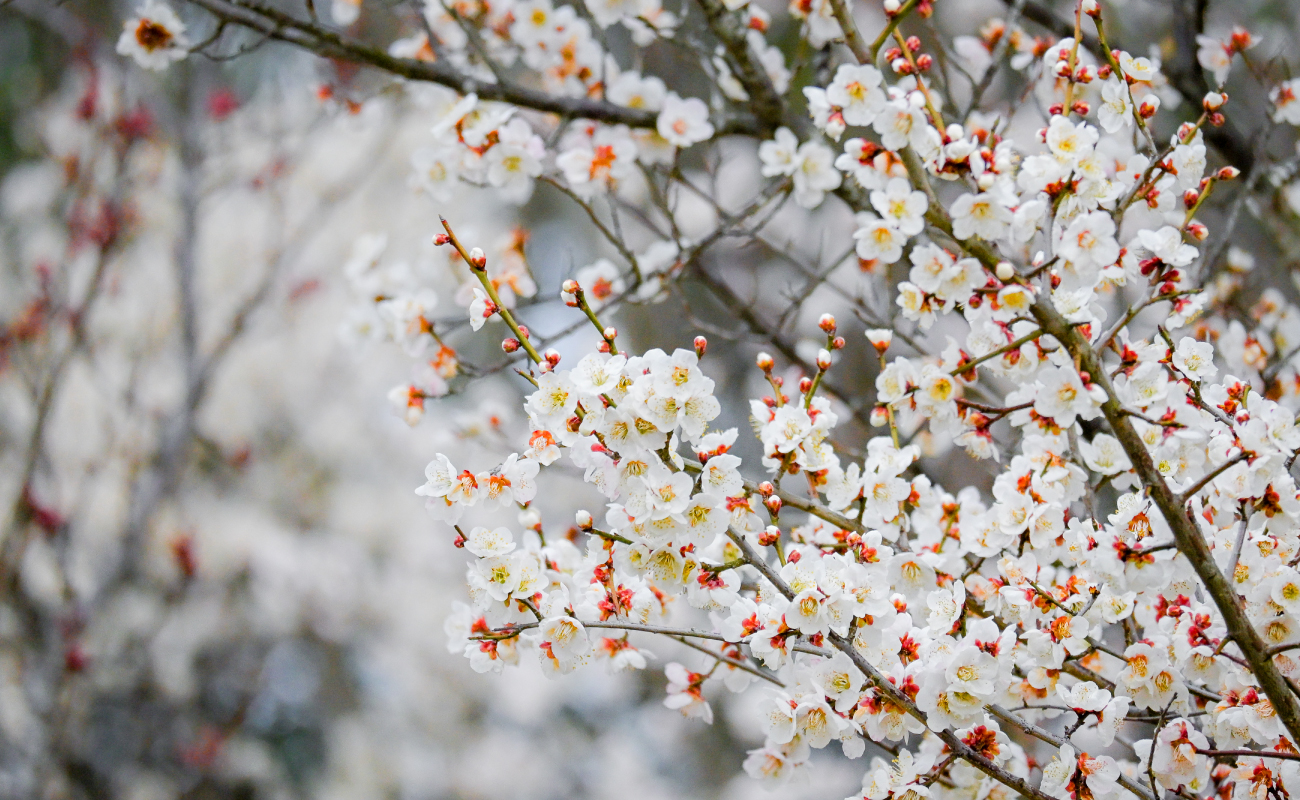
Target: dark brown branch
{"x": 283, "y": 27}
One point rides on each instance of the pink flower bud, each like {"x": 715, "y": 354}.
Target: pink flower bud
{"x": 924, "y": 62}
{"x": 701, "y": 344}
{"x": 879, "y": 417}
{"x": 603, "y": 347}
{"x": 838, "y": 343}
{"x": 1198, "y": 231}
{"x": 570, "y": 287}
{"x": 835, "y": 125}
{"x": 1091, "y": 8}
{"x": 1228, "y": 174}
{"x": 1080, "y": 107}
{"x": 1190, "y": 198}
{"x": 766, "y": 489}
{"x": 523, "y": 329}
{"x": 823, "y": 360}
{"x": 770, "y": 536}
{"x": 827, "y": 323}
{"x": 1149, "y": 106}
{"x": 477, "y": 259}
{"x": 510, "y": 345}
{"x": 805, "y": 384}
{"x": 441, "y": 239}
{"x": 765, "y": 362}
{"x": 773, "y": 504}
{"x": 1213, "y": 101}
{"x": 552, "y": 357}
{"x": 1241, "y": 40}
{"x": 880, "y": 338}
{"x": 1061, "y": 69}
{"x": 610, "y": 333}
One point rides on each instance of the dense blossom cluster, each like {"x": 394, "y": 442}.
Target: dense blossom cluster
{"x": 1115, "y": 616}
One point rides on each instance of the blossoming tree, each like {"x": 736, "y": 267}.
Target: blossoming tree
{"x": 1027, "y": 232}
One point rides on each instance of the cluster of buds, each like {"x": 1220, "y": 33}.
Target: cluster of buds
{"x": 909, "y": 59}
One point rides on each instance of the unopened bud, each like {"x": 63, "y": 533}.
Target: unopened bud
{"x": 570, "y": 287}
{"x": 1190, "y": 198}
{"x": 924, "y": 62}
{"x": 765, "y": 362}
{"x": 879, "y": 417}
{"x": 893, "y": 53}
{"x": 913, "y": 43}
{"x": 1090, "y": 8}
{"x": 573, "y": 423}
{"x": 805, "y": 384}
{"x": 778, "y": 381}
{"x": 891, "y": 7}
{"x": 880, "y": 338}
{"x": 530, "y": 518}
{"x": 477, "y": 259}
{"x": 1213, "y": 101}
{"x": 766, "y": 489}
{"x": 1241, "y": 39}
{"x": 1055, "y": 110}
{"x": 603, "y": 347}
{"x": 1005, "y": 271}
{"x": 773, "y": 504}
{"x": 835, "y": 125}
{"x": 610, "y": 333}
{"x": 1216, "y": 119}
{"x": 1085, "y": 74}
{"x": 510, "y": 344}
{"x": 1080, "y": 107}
{"x": 838, "y": 343}
{"x": 900, "y": 66}
{"x": 583, "y": 518}
{"x": 441, "y": 239}
{"x": 827, "y": 323}
{"x": 701, "y": 344}
{"x": 1198, "y": 231}
{"x": 552, "y": 357}
{"x": 1104, "y": 71}
{"x": 793, "y": 558}
{"x": 770, "y": 536}
{"x": 1149, "y": 106}
{"x": 1061, "y": 69}
{"x": 523, "y": 331}
{"x": 1228, "y": 174}
{"x": 823, "y": 359}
